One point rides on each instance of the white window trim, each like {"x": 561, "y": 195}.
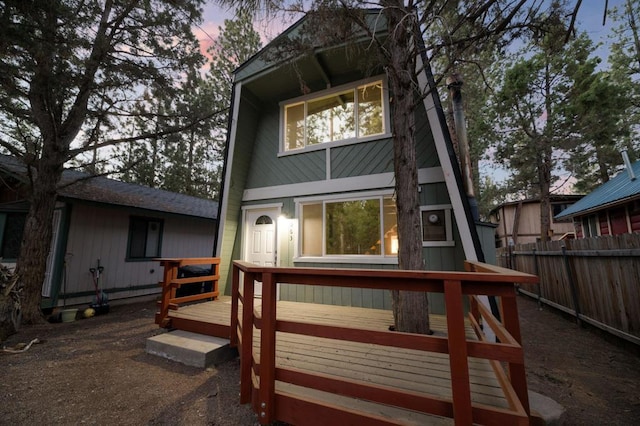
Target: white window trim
{"x": 364, "y": 259}
{"x": 449, "y": 242}
{"x": 324, "y": 93}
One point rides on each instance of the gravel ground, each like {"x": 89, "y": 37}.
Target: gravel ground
{"x": 96, "y": 371}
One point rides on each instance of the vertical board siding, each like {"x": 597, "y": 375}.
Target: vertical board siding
{"x": 605, "y": 286}
{"x": 367, "y": 298}
{"x": 102, "y": 233}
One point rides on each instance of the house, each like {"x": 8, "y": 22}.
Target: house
{"x": 309, "y": 178}
{"x": 519, "y": 221}
{"x": 613, "y": 208}
{"x": 99, "y": 222}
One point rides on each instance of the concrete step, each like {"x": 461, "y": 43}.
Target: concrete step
{"x": 191, "y": 349}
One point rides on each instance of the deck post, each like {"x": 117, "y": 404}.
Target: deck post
{"x": 268, "y": 350}
{"x": 458, "y": 361}
{"x": 246, "y": 342}
{"x": 235, "y": 295}
{"x": 517, "y": 373}
{"x": 169, "y": 272}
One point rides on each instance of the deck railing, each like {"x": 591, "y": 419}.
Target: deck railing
{"x": 259, "y": 374}
{"x": 171, "y": 283}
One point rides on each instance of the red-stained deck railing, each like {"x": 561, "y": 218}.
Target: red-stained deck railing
{"x": 259, "y": 375}
{"x": 170, "y": 283}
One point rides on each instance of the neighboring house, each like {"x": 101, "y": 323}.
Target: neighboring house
{"x": 122, "y": 226}
{"x": 519, "y": 221}
{"x": 613, "y": 208}
{"x": 309, "y": 178}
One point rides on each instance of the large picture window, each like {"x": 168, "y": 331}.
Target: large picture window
{"x": 145, "y": 238}
{"x": 354, "y": 227}
{"x": 349, "y": 114}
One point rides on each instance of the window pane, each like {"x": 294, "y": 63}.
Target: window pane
{"x": 153, "y": 239}
{"x": 370, "y": 118}
{"x": 12, "y": 237}
{"x": 294, "y": 127}
{"x": 353, "y": 227}
{"x": 138, "y": 237}
{"x": 330, "y": 119}
{"x": 312, "y": 230}
{"x": 390, "y": 227}
{"x": 433, "y": 226}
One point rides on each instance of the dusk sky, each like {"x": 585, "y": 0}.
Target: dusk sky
{"x": 589, "y": 19}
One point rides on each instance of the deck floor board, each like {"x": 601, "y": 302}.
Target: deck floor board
{"x": 412, "y": 370}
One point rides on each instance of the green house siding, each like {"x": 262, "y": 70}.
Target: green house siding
{"x": 343, "y": 296}
{"x": 267, "y": 169}
{"x": 240, "y": 165}
{"x": 362, "y": 159}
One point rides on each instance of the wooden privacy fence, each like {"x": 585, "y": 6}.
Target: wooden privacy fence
{"x": 259, "y": 372}
{"x": 171, "y": 284}
{"x": 595, "y": 279}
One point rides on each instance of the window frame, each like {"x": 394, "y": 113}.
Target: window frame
{"x": 130, "y": 239}
{"x": 448, "y": 224}
{"x": 4, "y": 223}
{"x": 381, "y": 258}
{"x": 386, "y": 133}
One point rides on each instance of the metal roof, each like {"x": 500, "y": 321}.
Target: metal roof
{"x": 617, "y": 190}
{"x": 81, "y": 186}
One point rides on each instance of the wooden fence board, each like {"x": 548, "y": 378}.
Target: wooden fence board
{"x": 604, "y": 272}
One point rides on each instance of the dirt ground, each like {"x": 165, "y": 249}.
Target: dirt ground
{"x": 96, "y": 371}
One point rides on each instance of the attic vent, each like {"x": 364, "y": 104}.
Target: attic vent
{"x": 264, "y": 220}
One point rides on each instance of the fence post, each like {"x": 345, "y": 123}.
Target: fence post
{"x": 537, "y": 273}
{"x": 572, "y": 285}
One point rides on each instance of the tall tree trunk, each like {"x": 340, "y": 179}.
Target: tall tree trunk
{"x": 411, "y": 309}
{"x": 36, "y": 238}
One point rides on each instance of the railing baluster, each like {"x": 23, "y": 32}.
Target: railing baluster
{"x": 517, "y": 373}
{"x": 246, "y": 351}
{"x": 268, "y": 349}
{"x": 235, "y": 296}
{"x": 458, "y": 360}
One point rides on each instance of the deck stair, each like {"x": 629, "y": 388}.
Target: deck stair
{"x": 195, "y": 350}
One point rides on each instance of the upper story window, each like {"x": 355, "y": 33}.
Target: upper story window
{"x": 343, "y": 114}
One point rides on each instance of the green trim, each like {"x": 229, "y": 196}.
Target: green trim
{"x": 110, "y": 290}
{"x": 59, "y": 261}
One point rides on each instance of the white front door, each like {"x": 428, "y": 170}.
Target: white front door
{"x": 260, "y": 241}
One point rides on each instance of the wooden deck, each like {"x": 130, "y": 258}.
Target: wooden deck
{"x": 311, "y": 364}
{"x": 405, "y": 369}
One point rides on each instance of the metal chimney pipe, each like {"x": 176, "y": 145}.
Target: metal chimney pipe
{"x": 627, "y": 164}
{"x": 454, "y": 84}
